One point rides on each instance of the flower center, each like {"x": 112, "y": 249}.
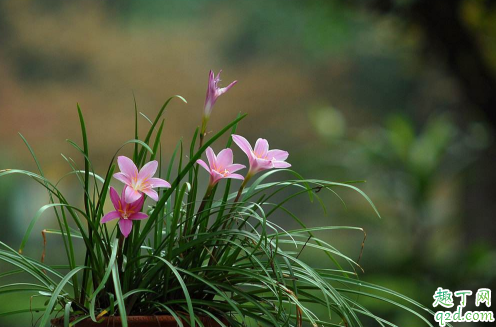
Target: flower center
{"x": 135, "y": 183}
{"x": 260, "y": 155}
{"x": 139, "y": 184}
{"x": 126, "y": 213}
{"x": 224, "y": 172}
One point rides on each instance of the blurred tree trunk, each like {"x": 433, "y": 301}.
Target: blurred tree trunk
{"x": 447, "y": 37}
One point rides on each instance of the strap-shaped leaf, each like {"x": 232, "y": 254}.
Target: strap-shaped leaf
{"x": 55, "y": 294}
{"x": 100, "y": 287}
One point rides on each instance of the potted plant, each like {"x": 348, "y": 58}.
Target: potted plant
{"x": 169, "y": 251}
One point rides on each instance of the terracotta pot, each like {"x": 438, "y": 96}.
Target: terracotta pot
{"x": 136, "y": 321}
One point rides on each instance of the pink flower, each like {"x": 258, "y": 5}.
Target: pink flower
{"x": 213, "y": 92}
{"x": 139, "y": 182}
{"x": 261, "y": 158}
{"x": 126, "y": 212}
{"x": 220, "y": 166}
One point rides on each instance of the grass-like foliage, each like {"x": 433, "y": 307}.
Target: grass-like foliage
{"x": 218, "y": 255}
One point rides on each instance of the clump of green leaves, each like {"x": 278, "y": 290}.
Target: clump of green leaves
{"x": 222, "y": 258}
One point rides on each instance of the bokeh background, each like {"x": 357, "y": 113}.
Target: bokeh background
{"x": 401, "y": 94}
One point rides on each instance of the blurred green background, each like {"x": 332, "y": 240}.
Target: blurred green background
{"x": 401, "y": 94}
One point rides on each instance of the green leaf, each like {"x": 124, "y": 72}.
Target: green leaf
{"x": 187, "y": 297}
{"x": 118, "y": 295}
{"x": 103, "y": 282}
{"x": 175, "y": 184}
{"x": 67, "y": 313}
{"x": 35, "y": 219}
{"x": 56, "y": 292}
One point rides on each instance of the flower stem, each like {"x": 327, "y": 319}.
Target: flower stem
{"x": 240, "y": 191}
{"x": 202, "y": 135}
{"x": 203, "y": 130}
{"x": 224, "y": 225}
{"x": 120, "y": 254}
{"x": 238, "y": 196}
{"x": 205, "y": 199}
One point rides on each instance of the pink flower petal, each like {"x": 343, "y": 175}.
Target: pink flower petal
{"x": 127, "y": 166}
{"x": 148, "y": 170}
{"x": 123, "y": 196}
{"x": 131, "y": 195}
{"x": 123, "y": 178}
{"x": 225, "y": 89}
{"x": 203, "y": 164}
{"x": 138, "y": 216}
{"x": 151, "y": 193}
{"x": 158, "y": 182}
{"x": 125, "y": 226}
{"x": 138, "y": 204}
{"x": 214, "y": 92}
{"x": 281, "y": 164}
{"x": 243, "y": 144}
{"x": 212, "y": 160}
{"x": 224, "y": 159}
{"x": 279, "y": 155}
{"x": 110, "y": 216}
{"x": 261, "y": 148}
{"x": 211, "y": 82}
{"x": 260, "y": 165}
{"x": 114, "y": 197}
{"x": 215, "y": 177}
{"x": 235, "y": 176}
{"x": 235, "y": 167}
{"x": 210, "y": 97}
